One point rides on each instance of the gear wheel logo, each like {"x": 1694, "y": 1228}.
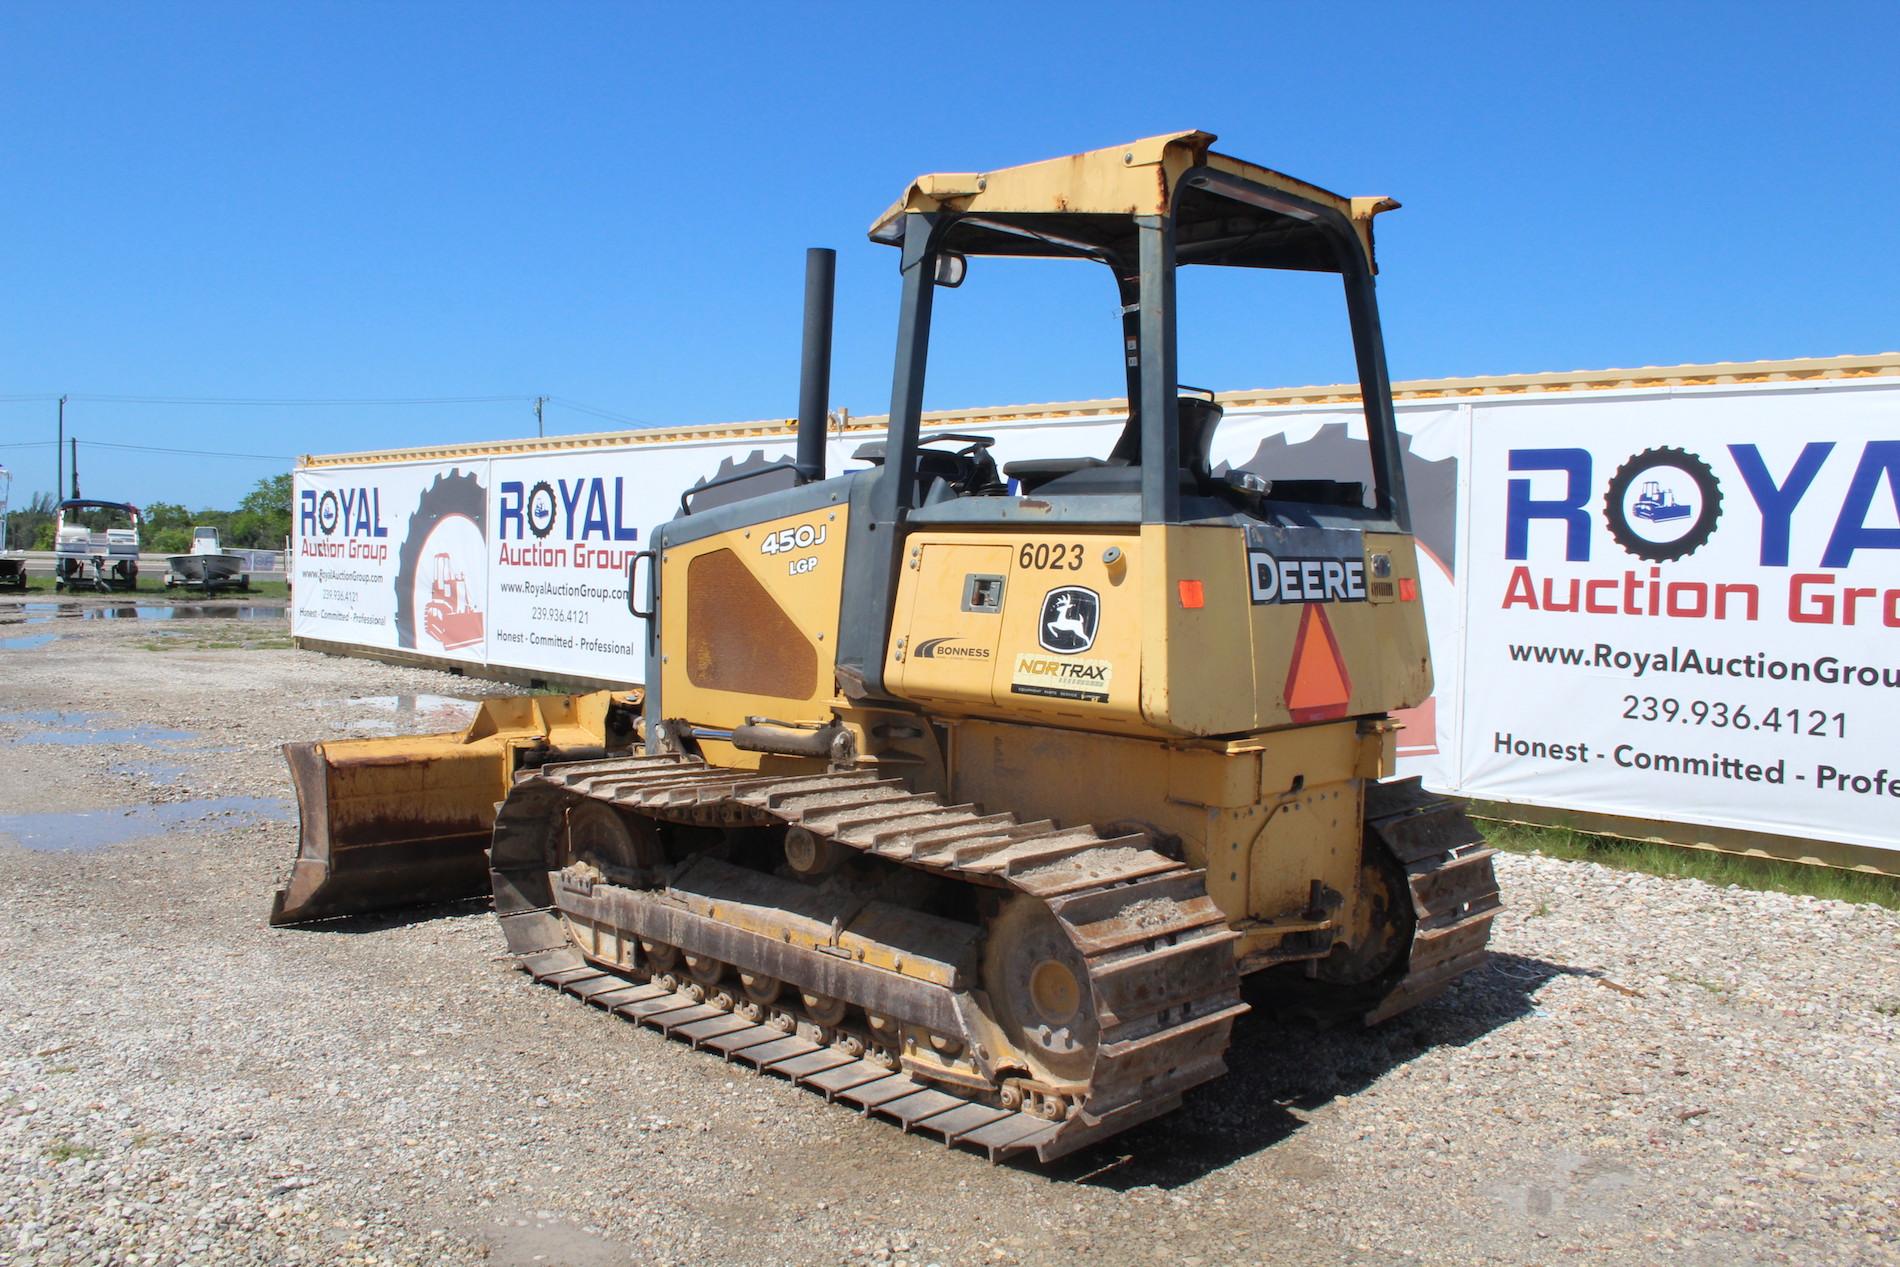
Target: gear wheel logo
{"x": 540, "y": 509}
{"x": 1663, "y": 504}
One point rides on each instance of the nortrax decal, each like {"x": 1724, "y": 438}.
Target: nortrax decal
{"x": 1050, "y": 678}
{"x": 1277, "y": 580}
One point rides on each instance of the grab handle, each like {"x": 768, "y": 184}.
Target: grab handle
{"x": 633, "y": 571}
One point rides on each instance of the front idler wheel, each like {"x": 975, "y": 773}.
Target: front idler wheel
{"x": 601, "y": 836}
{"x": 1038, "y": 984}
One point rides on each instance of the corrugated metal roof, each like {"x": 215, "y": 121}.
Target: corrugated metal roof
{"x": 1812, "y": 369}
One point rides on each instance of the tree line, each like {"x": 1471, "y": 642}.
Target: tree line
{"x": 261, "y": 521}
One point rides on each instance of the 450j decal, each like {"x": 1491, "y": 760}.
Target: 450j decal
{"x": 803, "y": 537}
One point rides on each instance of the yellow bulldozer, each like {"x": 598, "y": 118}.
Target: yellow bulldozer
{"x": 969, "y": 795}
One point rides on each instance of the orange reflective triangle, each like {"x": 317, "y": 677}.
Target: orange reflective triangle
{"x": 1317, "y": 685}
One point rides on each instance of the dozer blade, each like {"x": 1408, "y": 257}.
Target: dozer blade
{"x": 405, "y": 821}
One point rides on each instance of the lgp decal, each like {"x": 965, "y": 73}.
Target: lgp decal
{"x": 1069, "y": 618}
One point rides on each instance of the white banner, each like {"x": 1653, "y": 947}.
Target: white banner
{"x": 1683, "y": 605}
{"x": 393, "y": 557}
{"x": 1677, "y": 604}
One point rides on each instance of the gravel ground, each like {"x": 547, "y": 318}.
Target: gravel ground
{"x": 1651, "y": 1070}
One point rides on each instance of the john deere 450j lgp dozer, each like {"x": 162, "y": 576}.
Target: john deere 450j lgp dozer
{"x": 969, "y": 795}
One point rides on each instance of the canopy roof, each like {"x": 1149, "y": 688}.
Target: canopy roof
{"x": 1085, "y": 205}
{"x": 85, "y": 503}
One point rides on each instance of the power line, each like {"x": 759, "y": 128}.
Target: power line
{"x": 580, "y": 407}
{"x": 147, "y": 448}
{"x": 291, "y": 402}
{"x": 335, "y": 402}
{"x": 196, "y": 453}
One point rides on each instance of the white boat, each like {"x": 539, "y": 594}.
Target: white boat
{"x": 207, "y": 566}
{"x": 100, "y": 554}
{"x": 12, "y": 564}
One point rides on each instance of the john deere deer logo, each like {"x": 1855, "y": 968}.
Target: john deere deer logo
{"x": 1069, "y": 618}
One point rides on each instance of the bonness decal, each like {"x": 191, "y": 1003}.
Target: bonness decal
{"x": 947, "y": 649}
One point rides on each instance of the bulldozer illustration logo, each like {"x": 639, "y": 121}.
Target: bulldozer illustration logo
{"x": 435, "y": 594}
{"x": 451, "y": 618}
{"x": 1662, "y": 504}
{"x": 1069, "y": 617}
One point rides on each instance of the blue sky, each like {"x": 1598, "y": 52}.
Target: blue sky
{"x": 608, "y": 204}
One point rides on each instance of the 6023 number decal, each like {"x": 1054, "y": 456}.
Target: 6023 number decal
{"x": 1049, "y": 556}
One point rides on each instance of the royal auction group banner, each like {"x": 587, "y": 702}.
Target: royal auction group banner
{"x": 1673, "y": 603}
{"x": 1685, "y": 605}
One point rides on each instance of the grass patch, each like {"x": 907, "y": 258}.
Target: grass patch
{"x": 65, "y": 1150}
{"x": 1724, "y": 869}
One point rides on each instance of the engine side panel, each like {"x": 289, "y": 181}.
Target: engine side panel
{"x": 749, "y": 625}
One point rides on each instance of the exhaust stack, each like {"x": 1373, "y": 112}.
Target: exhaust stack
{"x": 814, "y": 375}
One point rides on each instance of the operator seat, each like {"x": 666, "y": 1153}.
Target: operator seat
{"x": 945, "y": 473}
{"x": 1199, "y": 417}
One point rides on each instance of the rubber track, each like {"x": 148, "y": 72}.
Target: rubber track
{"x": 1166, "y": 989}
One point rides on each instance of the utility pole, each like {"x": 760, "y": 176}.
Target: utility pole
{"x": 75, "y": 468}
{"x": 59, "y": 453}
{"x": 539, "y": 429}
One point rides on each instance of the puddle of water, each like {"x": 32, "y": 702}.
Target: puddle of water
{"x": 87, "y": 830}
{"x": 85, "y": 729}
{"x": 150, "y": 611}
{"x": 26, "y": 642}
{"x": 48, "y": 717}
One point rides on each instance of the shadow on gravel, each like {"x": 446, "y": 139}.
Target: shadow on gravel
{"x": 383, "y": 921}
{"x": 1278, "y": 1066}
